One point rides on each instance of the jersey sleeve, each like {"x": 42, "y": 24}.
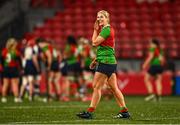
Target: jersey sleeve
{"x": 151, "y": 50}
{"x": 3, "y": 53}
{"x": 67, "y": 48}
{"x": 35, "y": 50}
{"x": 18, "y": 54}
{"x": 44, "y": 49}
{"x": 105, "y": 32}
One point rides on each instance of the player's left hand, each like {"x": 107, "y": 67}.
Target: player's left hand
{"x": 93, "y": 64}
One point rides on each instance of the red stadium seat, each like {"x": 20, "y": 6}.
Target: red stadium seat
{"x": 145, "y": 24}
{"x": 138, "y": 54}
{"x": 173, "y": 54}
{"x": 134, "y": 25}
{"x": 44, "y": 3}
{"x": 157, "y": 24}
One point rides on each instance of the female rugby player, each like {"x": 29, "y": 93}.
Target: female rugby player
{"x": 105, "y": 63}
{"x": 11, "y": 62}
{"x": 154, "y": 63}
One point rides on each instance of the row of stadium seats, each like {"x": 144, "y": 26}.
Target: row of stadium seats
{"x": 43, "y": 3}
{"x": 137, "y": 24}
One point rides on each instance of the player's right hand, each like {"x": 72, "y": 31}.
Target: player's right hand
{"x": 96, "y": 25}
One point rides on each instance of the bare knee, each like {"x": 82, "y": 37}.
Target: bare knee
{"x": 96, "y": 87}
{"x": 147, "y": 78}
{"x": 112, "y": 89}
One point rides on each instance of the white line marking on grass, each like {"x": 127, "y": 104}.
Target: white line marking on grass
{"x": 173, "y": 118}
{"x": 53, "y": 122}
{"x": 82, "y": 120}
{"x": 38, "y": 107}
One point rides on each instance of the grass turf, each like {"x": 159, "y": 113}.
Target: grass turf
{"x": 167, "y": 112}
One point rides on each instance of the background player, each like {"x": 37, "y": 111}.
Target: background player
{"x": 154, "y": 64}
{"x": 31, "y": 68}
{"x": 11, "y": 62}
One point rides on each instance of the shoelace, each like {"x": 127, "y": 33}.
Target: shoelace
{"x": 118, "y": 116}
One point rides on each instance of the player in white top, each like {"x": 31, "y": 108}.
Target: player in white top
{"x": 30, "y": 66}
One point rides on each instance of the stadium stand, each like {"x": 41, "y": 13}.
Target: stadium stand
{"x": 44, "y": 3}
{"x": 134, "y": 26}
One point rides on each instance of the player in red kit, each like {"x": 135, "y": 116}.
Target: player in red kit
{"x": 11, "y": 62}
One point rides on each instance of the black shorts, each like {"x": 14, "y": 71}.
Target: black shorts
{"x": 63, "y": 67}
{"x": 154, "y": 70}
{"x": 55, "y": 66}
{"x": 87, "y": 69}
{"x": 74, "y": 68}
{"x": 30, "y": 68}
{"x": 107, "y": 69}
{"x": 10, "y": 72}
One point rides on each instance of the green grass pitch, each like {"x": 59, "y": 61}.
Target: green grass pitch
{"x": 165, "y": 112}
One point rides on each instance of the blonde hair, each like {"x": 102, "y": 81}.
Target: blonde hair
{"x": 11, "y": 43}
{"x": 106, "y": 14}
